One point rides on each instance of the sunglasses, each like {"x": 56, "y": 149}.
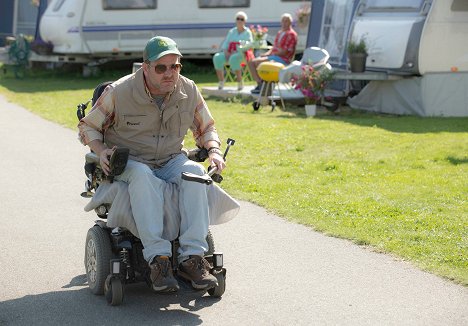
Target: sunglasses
{"x": 161, "y": 69}
{"x": 240, "y": 18}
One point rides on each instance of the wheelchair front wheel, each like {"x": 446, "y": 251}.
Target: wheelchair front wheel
{"x": 218, "y": 291}
{"x": 98, "y": 254}
{"x": 113, "y": 290}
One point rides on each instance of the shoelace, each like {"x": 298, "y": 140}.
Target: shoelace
{"x": 162, "y": 266}
{"x": 202, "y": 264}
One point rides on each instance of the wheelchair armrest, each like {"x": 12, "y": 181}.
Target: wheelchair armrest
{"x": 197, "y": 154}
{"x": 117, "y": 162}
{"x": 204, "y": 179}
{"x": 91, "y": 157}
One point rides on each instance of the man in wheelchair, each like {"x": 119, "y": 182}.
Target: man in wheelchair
{"x": 149, "y": 112}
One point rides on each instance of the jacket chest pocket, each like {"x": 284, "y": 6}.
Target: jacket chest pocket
{"x": 134, "y": 123}
{"x": 179, "y": 123}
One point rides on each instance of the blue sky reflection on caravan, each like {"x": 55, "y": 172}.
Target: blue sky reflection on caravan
{"x": 110, "y": 27}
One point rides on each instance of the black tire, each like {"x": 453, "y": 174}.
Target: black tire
{"x": 211, "y": 244}
{"x": 114, "y": 291}
{"x": 256, "y": 106}
{"x": 98, "y": 254}
{"x": 218, "y": 291}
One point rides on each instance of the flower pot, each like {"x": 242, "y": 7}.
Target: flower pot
{"x": 311, "y": 109}
{"x": 259, "y": 44}
{"x": 357, "y": 62}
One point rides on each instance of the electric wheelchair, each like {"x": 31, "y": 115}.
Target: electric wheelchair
{"x": 113, "y": 255}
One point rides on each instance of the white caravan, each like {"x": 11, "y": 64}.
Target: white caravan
{"x": 120, "y": 28}
{"x": 425, "y": 39}
{"x": 414, "y": 36}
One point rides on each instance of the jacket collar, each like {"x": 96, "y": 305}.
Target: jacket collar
{"x": 142, "y": 95}
{"x": 171, "y": 106}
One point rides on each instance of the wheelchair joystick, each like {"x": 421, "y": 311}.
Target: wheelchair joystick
{"x": 212, "y": 175}
{"x": 212, "y": 170}
{"x": 230, "y": 142}
{"x": 81, "y": 110}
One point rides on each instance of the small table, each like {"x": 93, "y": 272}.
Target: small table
{"x": 258, "y": 49}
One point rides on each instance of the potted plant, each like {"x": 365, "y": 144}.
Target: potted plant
{"x": 312, "y": 83}
{"x": 357, "y": 54}
{"x": 303, "y": 16}
{"x": 259, "y": 35}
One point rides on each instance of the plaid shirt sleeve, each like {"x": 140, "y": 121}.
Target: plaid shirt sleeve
{"x": 99, "y": 119}
{"x": 288, "y": 42}
{"x": 203, "y": 128}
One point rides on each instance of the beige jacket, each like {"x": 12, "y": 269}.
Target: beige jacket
{"x": 126, "y": 115}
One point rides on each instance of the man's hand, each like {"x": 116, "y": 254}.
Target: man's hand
{"x": 104, "y": 156}
{"x": 216, "y": 160}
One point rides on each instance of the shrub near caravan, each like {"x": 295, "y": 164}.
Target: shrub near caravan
{"x": 121, "y": 28}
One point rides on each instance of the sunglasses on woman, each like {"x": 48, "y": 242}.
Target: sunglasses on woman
{"x": 161, "y": 69}
{"x": 240, "y": 18}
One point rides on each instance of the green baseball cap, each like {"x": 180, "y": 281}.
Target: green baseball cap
{"x": 158, "y": 47}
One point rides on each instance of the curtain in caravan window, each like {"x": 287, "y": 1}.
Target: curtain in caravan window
{"x": 337, "y": 15}
{"x": 26, "y": 18}
{"x": 459, "y": 5}
{"x": 128, "y": 4}
{"x": 223, "y": 3}
{"x": 58, "y": 5}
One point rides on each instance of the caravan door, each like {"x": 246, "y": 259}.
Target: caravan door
{"x": 337, "y": 15}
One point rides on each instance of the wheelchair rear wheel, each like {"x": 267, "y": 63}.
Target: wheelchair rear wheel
{"x": 98, "y": 254}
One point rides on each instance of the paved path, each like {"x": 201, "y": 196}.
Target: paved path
{"x": 279, "y": 273}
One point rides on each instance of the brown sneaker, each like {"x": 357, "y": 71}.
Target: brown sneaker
{"x": 197, "y": 270}
{"x": 161, "y": 275}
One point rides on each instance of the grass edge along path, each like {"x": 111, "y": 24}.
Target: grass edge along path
{"x": 396, "y": 184}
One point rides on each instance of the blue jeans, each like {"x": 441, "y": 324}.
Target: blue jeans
{"x": 277, "y": 59}
{"x": 146, "y": 190}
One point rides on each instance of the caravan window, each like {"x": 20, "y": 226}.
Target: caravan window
{"x": 394, "y": 5}
{"x": 223, "y": 3}
{"x": 459, "y": 5}
{"x": 128, "y": 4}
{"x": 58, "y": 5}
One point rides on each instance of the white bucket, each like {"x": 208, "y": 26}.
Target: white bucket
{"x": 311, "y": 110}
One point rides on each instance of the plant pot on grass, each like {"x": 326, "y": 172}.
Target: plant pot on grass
{"x": 357, "y": 54}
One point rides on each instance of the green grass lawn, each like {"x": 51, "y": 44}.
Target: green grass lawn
{"x": 397, "y": 184}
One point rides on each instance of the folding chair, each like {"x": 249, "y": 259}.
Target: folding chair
{"x": 313, "y": 56}
{"x": 230, "y": 76}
